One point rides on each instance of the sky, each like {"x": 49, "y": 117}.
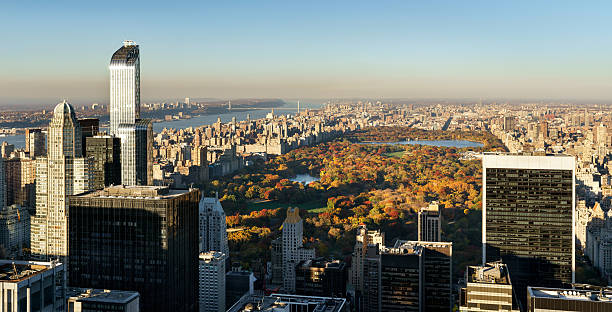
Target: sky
{"x": 50, "y": 50}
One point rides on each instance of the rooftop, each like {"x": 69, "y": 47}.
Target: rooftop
{"x": 283, "y": 303}
{"x": 136, "y": 192}
{"x": 322, "y": 263}
{"x": 101, "y": 295}
{"x": 212, "y": 256}
{"x": 17, "y": 271}
{"x": 128, "y": 54}
{"x": 601, "y": 295}
{"x": 490, "y": 273}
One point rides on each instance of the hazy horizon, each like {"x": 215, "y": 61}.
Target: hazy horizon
{"x": 393, "y": 49}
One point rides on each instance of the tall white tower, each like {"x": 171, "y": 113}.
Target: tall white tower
{"x": 213, "y": 234}
{"x": 62, "y": 173}
{"x": 136, "y": 134}
{"x": 124, "y": 86}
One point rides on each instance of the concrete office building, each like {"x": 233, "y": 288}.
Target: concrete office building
{"x": 487, "y": 288}
{"x": 528, "y": 218}
{"x": 140, "y": 238}
{"x": 32, "y": 286}
{"x": 211, "y": 293}
{"x": 62, "y": 173}
{"x": 101, "y": 300}
{"x": 542, "y": 299}
{"x": 430, "y": 223}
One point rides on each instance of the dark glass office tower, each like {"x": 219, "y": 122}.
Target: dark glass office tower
{"x": 140, "y": 238}
{"x": 89, "y": 127}
{"x": 106, "y": 153}
{"x": 528, "y": 218}
{"x": 411, "y": 276}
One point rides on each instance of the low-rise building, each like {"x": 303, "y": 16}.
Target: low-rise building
{"x": 32, "y": 286}
{"x": 102, "y": 300}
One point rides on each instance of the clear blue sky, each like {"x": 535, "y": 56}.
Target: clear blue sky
{"x": 309, "y": 49}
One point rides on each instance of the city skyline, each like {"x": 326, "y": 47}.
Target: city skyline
{"x": 314, "y": 50}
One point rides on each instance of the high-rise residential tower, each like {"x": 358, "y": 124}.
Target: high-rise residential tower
{"x": 136, "y": 134}
{"x": 430, "y": 223}
{"x": 105, "y": 152}
{"x": 212, "y": 282}
{"x": 124, "y": 86}
{"x": 528, "y": 218}
{"x": 62, "y": 173}
{"x": 213, "y": 234}
{"x": 293, "y": 250}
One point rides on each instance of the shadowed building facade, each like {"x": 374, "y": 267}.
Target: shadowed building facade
{"x": 140, "y": 238}
{"x": 528, "y": 218}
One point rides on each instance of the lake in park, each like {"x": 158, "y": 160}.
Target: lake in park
{"x": 304, "y": 178}
{"x": 442, "y": 143}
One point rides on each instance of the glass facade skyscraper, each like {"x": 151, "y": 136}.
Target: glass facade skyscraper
{"x": 141, "y": 238}
{"x": 136, "y": 134}
{"x": 528, "y": 218}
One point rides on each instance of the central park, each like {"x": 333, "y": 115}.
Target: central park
{"x": 380, "y": 185}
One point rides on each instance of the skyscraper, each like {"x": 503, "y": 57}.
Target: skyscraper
{"x": 430, "y": 223}
{"x": 35, "y": 142}
{"x": 212, "y": 282}
{"x": 136, "y": 152}
{"x": 293, "y": 247}
{"x": 411, "y": 276}
{"x": 213, "y": 233}
{"x": 365, "y": 238}
{"x": 136, "y": 134}
{"x": 142, "y": 238}
{"x": 105, "y": 152}
{"x": 124, "y": 86}
{"x": 528, "y": 218}
{"x": 62, "y": 173}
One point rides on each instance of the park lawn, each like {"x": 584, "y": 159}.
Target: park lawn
{"x": 313, "y": 206}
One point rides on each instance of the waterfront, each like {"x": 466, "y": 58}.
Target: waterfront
{"x": 441, "y": 143}
{"x": 290, "y": 108}
{"x": 18, "y": 140}
{"x": 304, "y": 178}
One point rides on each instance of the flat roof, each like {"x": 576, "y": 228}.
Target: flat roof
{"x": 281, "y": 302}
{"x": 490, "y": 273}
{"x": 135, "y": 192}
{"x": 13, "y": 271}
{"x": 602, "y": 295}
{"x": 556, "y": 162}
{"x": 101, "y": 295}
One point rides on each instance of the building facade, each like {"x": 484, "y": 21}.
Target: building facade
{"x": 62, "y": 173}
{"x": 542, "y": 299}
{"x": 319, "y": 277}
{"x": 293, "y": 247}
{"x": 213, "y": 232}
{"x": 430, "y": 223}
{"x": 487, "y": 288}
{"x": 105, "y": 152}
{"x": 528, "y": 218}
{"x": 32, "y": 286}
{"x": 124, "y": 86}
{"x": 136, "y": 152}
{"x": 211, "y": 293}
{"x": 140, "y": 238}
{"x": 35, "y": 142}
{"x": 14, "y": 230}
{"x": 101, "y": 300}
